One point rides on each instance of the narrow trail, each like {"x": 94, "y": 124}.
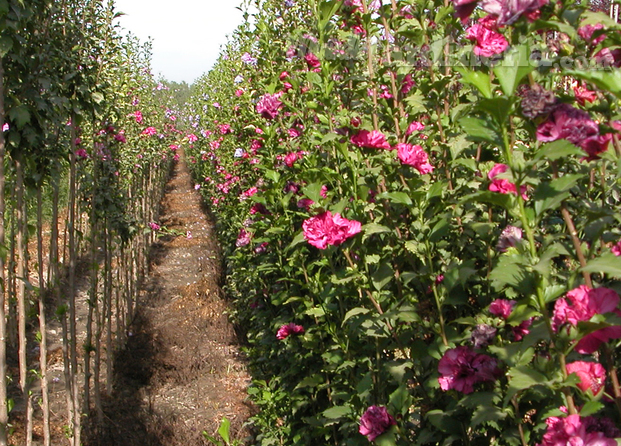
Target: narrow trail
{"x": 181, "y": 371}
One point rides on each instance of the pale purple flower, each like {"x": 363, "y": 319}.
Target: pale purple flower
{"x": 248, "y": 59}
{"x": 509, "y": 238}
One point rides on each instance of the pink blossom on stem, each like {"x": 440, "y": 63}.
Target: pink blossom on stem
{"x": 289, "y": 329}
{"x": 373, "y": 139}
{"x": 312, "y": 61}
{"x": 574, "y": 430}
{"x": 502, "y": 308}
{"x": 487, "y": 42}
{"x": 414, "y": 126}
{"x": 509, "y": 238}
{"x": 149, "y": 131}
{"x": 592, "y": 375}
{"x": 580, "y": 305}
{"x": 616, "y": 249}
{"x": 329, "y": 229}
{"x": 268, "y": 106}
{"x": 503, "y": 185}
{"x": 461, "y": 368}
{"x": 375, "y": 421}
{"x": 584, "y": 95}
{"x": 415, "y": 156}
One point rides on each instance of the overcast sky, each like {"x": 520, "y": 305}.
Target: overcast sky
{"x": 186, "y": 34}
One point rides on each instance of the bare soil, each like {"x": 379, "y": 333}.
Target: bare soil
{"x": 181, "y": 371}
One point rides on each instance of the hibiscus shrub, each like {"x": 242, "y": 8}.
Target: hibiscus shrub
{"x": 418, "y": 204}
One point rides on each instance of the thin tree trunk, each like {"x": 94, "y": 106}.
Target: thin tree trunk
{"x": 73, "y": 350}
{"x": 4, "y": 414}
{"x": 21, "y": 294}
{"x": 53, "y": 273}
{"x": 108, "y": 307}
{"x": 45, "y": 406}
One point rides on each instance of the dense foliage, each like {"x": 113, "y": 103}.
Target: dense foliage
{"x": 84, "y": 148}
{"x": 419, "y": 207}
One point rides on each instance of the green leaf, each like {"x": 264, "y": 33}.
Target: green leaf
{"x": 510, "y": 271}
{"x": 223, "y": 430}
{"x": 373, "y": 228}
{"x": 591, "y": 408}
{"x": 6, "y": 43}
{"x": 396, "y": 197}
{"x": 388, "y": 438}
{"x": 477, "y": 79}
{"x": 550, "y": 195}
{"x": 506, "y": 201}
{"x": 481, "y": 129}
{"x": 561, "y": 148}
{"x": 98, "y": 97}
{"x": 20, "y": 115}
{"x": 337, "y": 412}
{"x": 604, "y": 79}
{"x": 355, "y": 312}
{"x": 521, "y": 378}
{"x": 382, "y": 276}
{"x": 498, "y": 108}
{"x": 607, "y": 263}
{"x": 513, "y": 67}
{"x": 444, "y": 421}
{"x": 400, "y": 400}
{"x": 313, "y": 191}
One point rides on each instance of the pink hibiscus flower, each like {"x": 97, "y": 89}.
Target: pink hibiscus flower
{"x": 592, "y": 375}
{"x": 575, "y": 430}
{"x": 461, "y": 368}
{"x": 373, "y": 139}
{"x": 503, "y": 185}
{"x": 502, "y": 308}
{"x": 289, "y": 329}
{"x": 487, "y": 41}
{"x": 415, "y": 156}
{"x": 375, "y": 421}
{"x": 329, "y": 229}
{"x": 268, "y": 105}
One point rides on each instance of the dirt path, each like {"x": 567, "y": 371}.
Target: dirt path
{"x": 181, "y": 371}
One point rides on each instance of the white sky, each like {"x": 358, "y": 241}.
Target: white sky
{"x": 186, "y": 34}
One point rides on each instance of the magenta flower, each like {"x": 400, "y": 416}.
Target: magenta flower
{"x": 584, "y": 95}
{"x": 268, "y": 105}
{"x": 81, "y": 153}
{"x": 407, "y": 84}
{"x": 292, "y": 157}
{"x": 586, "y": 32}
{"x": 463, "y": 8}
{"x": 120, "y": 136}
{"x": 488, "y": 42}
{"x": 327, "y": 229}
{"x": 575, "y": 430}
{"x": 502, "y": 308}
{"x": 415, "y": 156}
{"x": 289, "y": 329}
{"x": 592, "y": 375}
{"x": 582, "y": 304}
{"x": 414, "y": 126}
{"x": 461, "y": 368}
{"x": 503, "y": 185}
{"x": 149, "y": 131}
{"x": 373, "y": 139}
{"x": 616, "y": 249}
{"x": 154, "y": 226}
{"x": 224, "y": 129}
{"x": 576, "y": 126}
{"x": 312, "y": 61}
{"x": 375, "y": 421}
{"x": 138, "y": 116}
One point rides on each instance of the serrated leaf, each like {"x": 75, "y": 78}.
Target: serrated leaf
{"x": 550, "y": 195}
{"x": 513, "y": 67}
{"x": 337, "y": 412}
{"x": 521, "y": 378}
{"x": 98, "y": 97}
{"x": 477, "y": 79}
{"x": 382, "y": 276}
{"x": 559, "y": 149}
{"x": 355, "y": 312}
{"x": 6, "y": 43}
{"x": 20, "y": 115}
{"x": 479, "y": 129}
{"x": 373, "y": 228}
{"x": 396, "y": 197}
{"x": 607, "y": 263}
